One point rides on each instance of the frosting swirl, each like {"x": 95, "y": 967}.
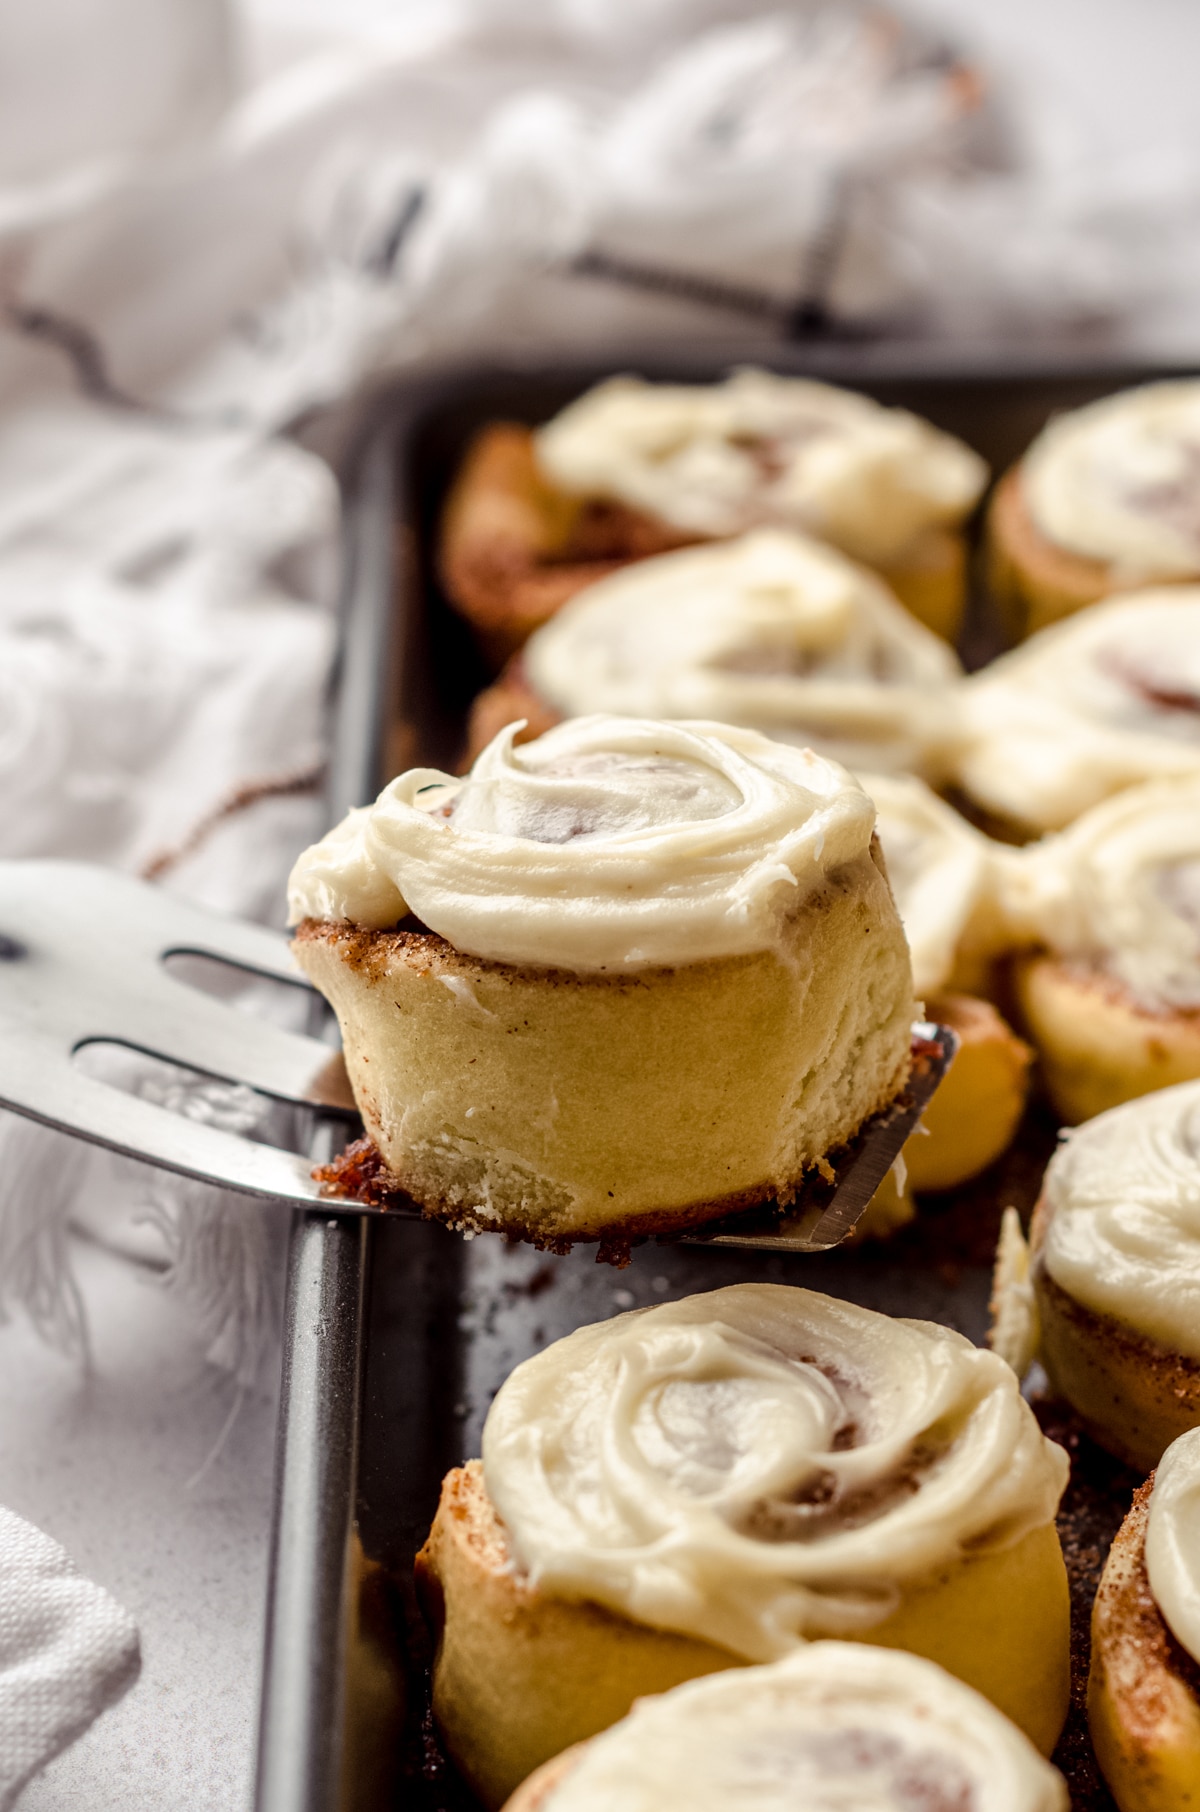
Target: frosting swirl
{"x": 1120, "y": 890}
{"x": 773, "y": 631}
{"x": 1123, "y": 1226}
{"x": 945, "y": 874}
{"x": 715, "y": 459}
{"x": 1173, "y": 1540}
{"x": 1092, "y": 704}
{"x": 609, "y": 843}
{"x": 761, "y": 1464}
{"x": 833, "y": 1726}
{"x": 1119, "y": 481}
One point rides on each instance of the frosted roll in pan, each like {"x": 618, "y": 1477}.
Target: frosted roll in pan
{"x": 717, "y": 459}
{"x": 1092, "y": 705}
{"x": 773, "y": 631}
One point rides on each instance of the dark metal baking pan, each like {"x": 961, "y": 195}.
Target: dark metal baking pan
{"x": 399, "y": 1333}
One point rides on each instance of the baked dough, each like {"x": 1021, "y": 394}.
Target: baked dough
{"x": 714, "y": 1482}
{"x": 1144, "y": 1681}
{"x": 1106, "y": 700}
{"x": 1116, "y": 1270}
{"x": 631, "y": 469}
{"x": 832, "y": 1725}
{"x": 1107, "y": 497}
{"x": 660, "y": 976}
{"x": 1112, "y": 997}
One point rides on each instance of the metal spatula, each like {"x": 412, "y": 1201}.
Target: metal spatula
{"x": 83, "y": 961}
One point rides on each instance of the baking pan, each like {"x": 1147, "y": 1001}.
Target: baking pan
{"x": 399, "y": 1333}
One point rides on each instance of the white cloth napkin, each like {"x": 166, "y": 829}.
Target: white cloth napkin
{"x": 67, "y": 1652}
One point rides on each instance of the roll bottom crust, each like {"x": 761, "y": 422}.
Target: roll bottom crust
{"x": 558, "y": 1106}
{"x": 514, "y": 548}
{"x": 1097, "y": 1046}
{"x": 520, "y": 1675}
{"x": 1034, "y": 581}
{"x": 1132, "y": 1395}
{"x": 1143, "y": 1704}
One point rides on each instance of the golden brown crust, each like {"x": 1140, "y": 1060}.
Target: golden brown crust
{"x": 1143, "y": 1687}
{"x": 520, "y": 1674}
{"x": 360, "y": 1173}
{"x": 514, "y": 547}
{"x": 1098, "y": 1044}
{"x": 1036, "y": 581}
{"x": 1133, "y": 1396}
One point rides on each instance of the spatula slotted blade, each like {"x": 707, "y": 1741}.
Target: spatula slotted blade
{"x": 82, "y": 961}
{"x": 83, "y": 955}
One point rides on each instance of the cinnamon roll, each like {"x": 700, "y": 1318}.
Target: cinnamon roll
{"x": 718, "y": 1481}
{"x": 1086, "y": 708}
{"x": 771, "y": 630}
{"x": 1144, "y": 1681}
{"x": 632, "y": 468}
{"x": 1112, "y": 997}
{"x": 1116, "y": 1273}
{"x": 658, "y": 975}
{"x": 950, "y": 881}
{"x": 833, "y": 1725}
{"x": 1106, "y": 498}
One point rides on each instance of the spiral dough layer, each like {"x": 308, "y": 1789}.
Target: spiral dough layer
{"x": 761, "y": 1464}
{"x": 610, "y": 843}
{"x": 716, "y": 459}
{"x": 1099, "y": 702}
{"x": 774, "y": 631}
{"x": 1119, "y": 481}
{"x": 1120, "y": 891}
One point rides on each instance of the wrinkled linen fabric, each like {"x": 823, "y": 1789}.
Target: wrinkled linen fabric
{"x": 67, "y": 1652}
{"x": 208, "y": 230}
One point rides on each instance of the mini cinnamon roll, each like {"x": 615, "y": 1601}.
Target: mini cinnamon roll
{"x": 718, "y": 1481}
{"x": 950, "y": 882}
{"x": 1116, "y": 1273}
{"x": 833, "y": 1725}
{"x": 632, "y": 468}
{"x": 772, "y": 631}
{"x": 1106, "y": 498}
{"x": 1112, "y": 998}
{"x": 1144, "y": 1681}
{"x": 659, "y": 976}
{"x": 1086, "y": 708}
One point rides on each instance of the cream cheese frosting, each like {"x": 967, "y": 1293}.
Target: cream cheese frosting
{"x": 834, "y": 1727}
{"x": 1173, "y": 1540}
{"x": 1120, "y": 891}
{"x": 1090, "y": 705}
{"x": 771, "y": 630}
{"x": 761, "y": 1465}
{"x": 1123, "y": 1226}
{"x": 946, "y": 877}
{"x": 716, "y": 459}
{"x": 609, "y": 843}
{"x": 1119, "y": 481}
